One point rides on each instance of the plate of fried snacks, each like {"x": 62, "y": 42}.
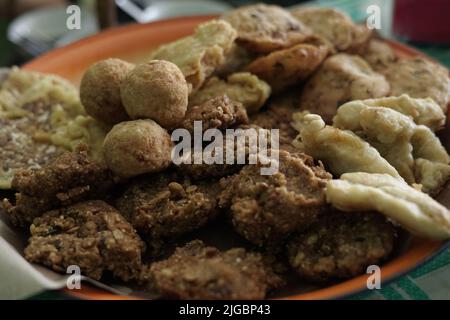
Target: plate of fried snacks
{"x": 119, "y": 156}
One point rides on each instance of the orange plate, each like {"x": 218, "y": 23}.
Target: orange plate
{"x": 133, "y": 43}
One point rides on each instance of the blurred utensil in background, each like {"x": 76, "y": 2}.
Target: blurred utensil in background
{"x": 151, "y": 10}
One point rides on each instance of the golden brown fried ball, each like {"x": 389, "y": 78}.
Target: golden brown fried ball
{"x": 156, "y": 90}
{"x": 100, "y": 90}
{"x": 135, "y": 147}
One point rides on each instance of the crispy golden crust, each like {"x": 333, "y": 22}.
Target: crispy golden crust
{"x": 220, "y": 113}
{"x": 200, "y": 54}
{"x": 100, "y": 90}
{"x": 341, "y": 245}
{"x": 242, "y": 87}
{"x": 267, "y": 208}
{"x": 341, "y": 78}
{"x": 91, "y": 235}
{"x": 419, "y": 78}
{"x": 156, "y": 90}
{"x": 196, "y": 271}
{"x": 72, "y": 177}
{"x": 136, "y": 147}
{"x": 284, "y": 68}
{"x": 266, "y": 28}
{"x": 165, "y": 206}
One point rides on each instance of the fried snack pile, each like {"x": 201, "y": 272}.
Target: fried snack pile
{"x": 353, "y": 130}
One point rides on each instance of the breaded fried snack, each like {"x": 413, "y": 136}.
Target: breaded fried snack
{"x": 236, "y": 59}
{"x": 135, "y": 147}
{"x": 199, "y": 55}
{"x": 334, "y": 26}
{"x": 284, "y": 68}
{"x": 242, "y": 87}
{"x": 166, "y": 206}
{"x": 341, "y": 78}
{"x": 156, "y": 90}
{"x": 419, "y": 78}
{"x": 379, "y": 55}
{"x": 267, "y": 208}
{"x": 414, "y": 210}
{"x": 100, "y": 90}
{"x": 196, "y": 271}
{"x": 341, "y": 245}
{"x": 91, "y": 235}
{"x": 340, "y": 150}
{"x": 219, "y": 113}
{"x": 70, "y": 178}
{"x": 265, "y": 28}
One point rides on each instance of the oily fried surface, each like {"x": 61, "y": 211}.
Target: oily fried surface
{"x": 92, "y": 235}
{"x": 70, "y": 178}
{"x": 278, "y": 115}
{"x": 284, "y": 68}
{"x": 196, "y": 271}
{"x": 341, "y": 150}
{"x": 379, "y": 55}
{"x": 265, "y": 28}
{"x": 414, "y": 210}
{"x": 200, "y": 54}
{"x": 266, "y": 208}
{"x": 165, "y": 206}
{"x": 419, "y": 78}
{"x": 341, "y": 245}
{"x": 341, "y": 78}
{"x": 242, "y": 87}
{"x": 220, "y": 113}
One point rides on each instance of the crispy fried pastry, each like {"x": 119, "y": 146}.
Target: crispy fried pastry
{"x": 341, "y": 78}
{"x": 196, "y": 271}
{"x": 91, "y": 235}
{"x": 71, "y": 178}
{"x": 419, "y": 78}
{"x": 332, "y": 25}
{"x": 235, "y": 61}
{"x": 341, "y": 245}
{"x": 412, "y": 209}
{"x": 200, "y": 54}
{"x": 284, "y": 68}
{"x": 266, "y": 28}
{"x": 267, "y": 208}
{"x": 220, "y": 113}
{"x": 241, "y": 87}
{"x": 340, "y": 150}
{"x": 422, "y": 111}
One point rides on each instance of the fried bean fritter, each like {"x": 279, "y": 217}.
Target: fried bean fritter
{"x": 267, "y": 208}
{"x": 72, "y": 177}
{"x": 341, "y": 245}
{"x": 165, "y": 206}
{"x": 196, "y": 271}
{"x": 220, "y": 113}
{"x": 91, "y": 235}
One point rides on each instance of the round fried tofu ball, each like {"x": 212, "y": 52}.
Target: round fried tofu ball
{"x": 100, "y": 90}
{"x": 135, "y": 147}
{"x": 156, "y": 90}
